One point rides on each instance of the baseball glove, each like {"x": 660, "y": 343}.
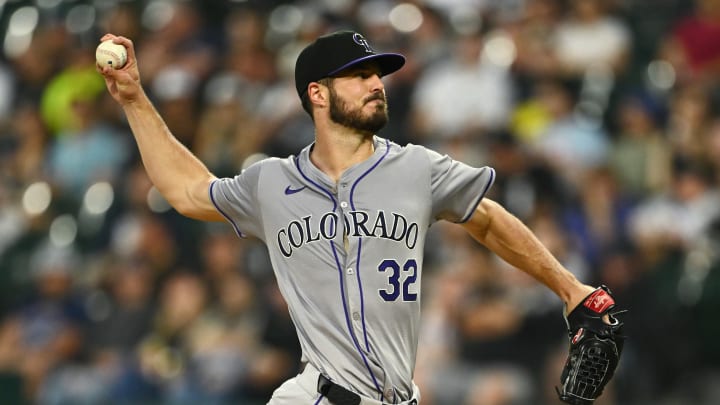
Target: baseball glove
{"x": 595, "y": 348}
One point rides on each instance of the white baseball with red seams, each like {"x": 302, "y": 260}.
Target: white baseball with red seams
{"x": 110, "y": 54}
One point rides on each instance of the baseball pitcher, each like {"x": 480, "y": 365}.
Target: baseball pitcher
{"x": 345, "y": 223}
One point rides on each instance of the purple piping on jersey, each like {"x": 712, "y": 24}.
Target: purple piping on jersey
{"x": 217, "y": 207}
{"x": 342, "y": 287}
{"x": 487, "y": 186}
{"x": 319, "y": 399}
{"x": 347, "y": 319}
{"x": 357, "y": 270}
{"x": 320, "y": 187}
{"x": 352, "y": 190}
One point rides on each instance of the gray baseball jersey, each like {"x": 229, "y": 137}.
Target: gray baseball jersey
{"x": 348, "y": 255}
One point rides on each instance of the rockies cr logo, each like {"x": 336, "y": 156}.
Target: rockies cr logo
{"x": 360, "y": 40}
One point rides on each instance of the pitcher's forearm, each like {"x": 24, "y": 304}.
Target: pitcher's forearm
{"x": 514, "y": 242}
{"x": 172, "y": 168}
{"x": 179, "y": 176}
{"x": 510, "y": 239}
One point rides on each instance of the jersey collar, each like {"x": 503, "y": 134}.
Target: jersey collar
{"x": 350, "y": 175}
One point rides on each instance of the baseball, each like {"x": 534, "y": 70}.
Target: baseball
{"x": 109, "y": 53}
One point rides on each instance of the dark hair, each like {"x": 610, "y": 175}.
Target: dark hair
{"x": 306, "y": 105}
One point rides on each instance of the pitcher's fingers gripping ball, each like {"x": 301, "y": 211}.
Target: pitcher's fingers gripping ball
{"x": 595, "y": 347}
{"x": 110, "y": 54}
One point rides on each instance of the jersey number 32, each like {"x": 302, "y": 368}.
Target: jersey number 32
{"x": 400, "y": 279}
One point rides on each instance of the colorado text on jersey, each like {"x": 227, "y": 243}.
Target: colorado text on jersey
{"x": 391, "y": 226}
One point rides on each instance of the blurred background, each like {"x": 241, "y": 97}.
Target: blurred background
{"x": 600, "y": 116}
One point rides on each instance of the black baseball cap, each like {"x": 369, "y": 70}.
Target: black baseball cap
{"x": 335, "y": 52}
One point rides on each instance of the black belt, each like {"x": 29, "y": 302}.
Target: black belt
{"x": 336, "y": 394}
{"x": 339, "y": 395}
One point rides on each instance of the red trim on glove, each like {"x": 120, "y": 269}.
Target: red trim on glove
{"x": 578, "y": 336}
{"x": 599, "y": 301}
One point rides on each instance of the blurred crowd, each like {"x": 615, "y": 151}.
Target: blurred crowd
{"x": 600, "y": 117}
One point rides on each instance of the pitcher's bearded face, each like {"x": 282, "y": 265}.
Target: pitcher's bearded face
{"x": 369, "y": 117}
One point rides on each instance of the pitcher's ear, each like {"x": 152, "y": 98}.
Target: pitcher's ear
{"x": 317, "y": 94}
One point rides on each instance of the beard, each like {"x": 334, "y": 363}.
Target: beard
{"x": 342, "y": 114}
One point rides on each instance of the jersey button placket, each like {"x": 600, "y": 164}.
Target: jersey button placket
{"x": 353, "y": 299}
{"x": 350, "y": 280}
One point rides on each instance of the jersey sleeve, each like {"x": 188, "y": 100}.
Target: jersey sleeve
{"x": 236, "y": 199}
{"x": 456, "y": 187}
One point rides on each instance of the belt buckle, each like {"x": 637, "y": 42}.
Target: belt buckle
{"x": 336, "y": 394}
{"x": 339, "y": 395}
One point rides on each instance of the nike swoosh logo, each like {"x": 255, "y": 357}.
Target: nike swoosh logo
{"x": 289, "y": 191}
